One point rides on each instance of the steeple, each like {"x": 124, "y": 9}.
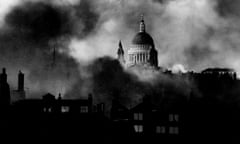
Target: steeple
{"x": 142, "y": 24}
{"x": 120, "y": 53}
{"x": 120, "y": 49}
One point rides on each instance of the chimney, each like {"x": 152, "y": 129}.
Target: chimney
{"x": 3, "y": 76}
{"x": 20, "y": 81}
{"x": 59, "y": 96}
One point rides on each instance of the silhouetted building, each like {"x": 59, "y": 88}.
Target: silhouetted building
{"x": 152, "y": 120}
{"x": 49, "y": 104}
{"x": 4, "y": 91}
{"x": 20, "y": 93}
{"x": 147, "y": 122}
{"x": 167, "y": 118}
{"x": 20, "y": 81}
{"x": 60, "y": 119}
{"x": 220, "y": 73}
{"x": 119, "y": 112}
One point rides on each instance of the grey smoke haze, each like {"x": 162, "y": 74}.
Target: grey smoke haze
{"x": 193, "y": 33}
{"x": 29, "y": 35}
{"x": 107, "y": 80}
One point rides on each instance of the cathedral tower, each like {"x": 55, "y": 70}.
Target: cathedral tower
{"x": 120, "y": 53}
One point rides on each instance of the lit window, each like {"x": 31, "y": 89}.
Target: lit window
{"x": 173, "y": 117}
{"x": 65, "y": 109}
{"x": 138, "y": 116}
{"x": 173, "y": 130}
{"x": 138, "y": 128}
{"x": 84, "y": 109}
{"x": 160, "y": 129}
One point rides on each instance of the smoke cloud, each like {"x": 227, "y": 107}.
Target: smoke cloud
{"x": 34, "y": 38}
{"x": 107, "y": 80}
{"x": 85, "y": 33}
{"x": 195, "y": 33}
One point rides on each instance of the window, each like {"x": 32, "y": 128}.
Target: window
{"x": 173, "y": 130}
{"x": 160, "y": 129}
{"x": 84, "y": 109}
{"x": 47, "y": 109}
{"x": 65, "y": 109}
{"x": 44, "y": 109}
{"x": 138, "y": 128}
{"x": 138, "y": 116}
{"x": 173, "y": 117}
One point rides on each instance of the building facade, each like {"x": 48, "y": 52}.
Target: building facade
{"x": 142, "y": 52}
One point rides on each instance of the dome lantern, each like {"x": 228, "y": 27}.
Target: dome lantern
{"x": 142, "y": 24}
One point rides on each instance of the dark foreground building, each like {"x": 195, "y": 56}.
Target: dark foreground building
{"x": 4, "y": 92}
{"x": 58, "y": 120}
{"x": 212, "y": 117}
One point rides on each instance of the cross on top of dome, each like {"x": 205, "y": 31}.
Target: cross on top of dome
{"x": 142, "y": 17}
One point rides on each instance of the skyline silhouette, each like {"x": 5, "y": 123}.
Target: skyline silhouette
{"x": 120, "y": 71}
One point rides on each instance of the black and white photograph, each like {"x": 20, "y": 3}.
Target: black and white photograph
{"x": 120, "y": 71}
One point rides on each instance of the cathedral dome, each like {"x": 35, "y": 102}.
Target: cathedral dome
{"x": 142, "y": 51}
{"x": 142, "y": 38}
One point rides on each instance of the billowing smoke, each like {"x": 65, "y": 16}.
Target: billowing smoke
{"x": 60, "y": 45}
{"x": 34, "y": 38}
{"x": 195, "y": 33}
{"x": 107, "y": 80}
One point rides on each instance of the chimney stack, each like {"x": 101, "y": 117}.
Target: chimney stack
{"x": 20, "y": 81}
{"x": 3, "y": 76}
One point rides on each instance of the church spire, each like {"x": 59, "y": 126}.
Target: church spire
{"x": 142, "y": 24}
{"x": 120, "y": 53}
{"x": 120, "y": 49}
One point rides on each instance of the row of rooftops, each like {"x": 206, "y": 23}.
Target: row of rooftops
{"x": 213, "y": 71}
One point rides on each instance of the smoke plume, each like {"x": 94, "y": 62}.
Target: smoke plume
{"x": 34, "y": 38}
{"x": 64, "y": 46}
